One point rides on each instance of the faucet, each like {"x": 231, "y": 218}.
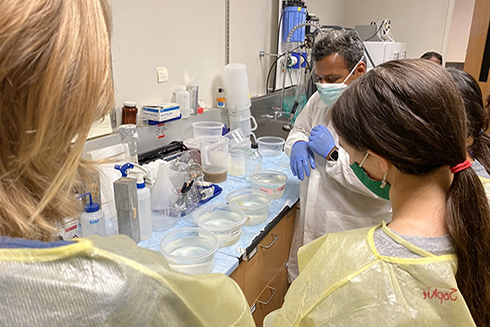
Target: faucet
{"x": 277, "y": 113}
{"x": 289, "y": 125}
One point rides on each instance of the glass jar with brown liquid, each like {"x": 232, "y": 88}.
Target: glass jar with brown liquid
{"x": 129, "y": 113}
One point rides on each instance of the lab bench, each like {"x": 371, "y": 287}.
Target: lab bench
{"x": 257, "y": 262}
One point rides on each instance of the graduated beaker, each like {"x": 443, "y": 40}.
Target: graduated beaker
{"x": 214, "y": 159}
{"x": 237, "y": 162}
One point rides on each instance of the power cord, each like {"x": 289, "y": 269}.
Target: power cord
{"x": 378, "y": 28}
{"x": 272, "y": 67}
{"x": 384, "y": 32}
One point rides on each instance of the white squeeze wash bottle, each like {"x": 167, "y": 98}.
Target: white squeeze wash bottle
{"x": 92, "y": 220}
{"x": 144, "y": 208}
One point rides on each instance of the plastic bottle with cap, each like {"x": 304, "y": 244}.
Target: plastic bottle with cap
{"x": 144, "y": 208}
{"x": 220, "y": 98}
{"x": 144, "y": 196}
{"x": 183, "y": 98}
{"x": 92, "y": 221}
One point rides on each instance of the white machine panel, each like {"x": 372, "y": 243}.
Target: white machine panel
{"x": 385, "y": 51}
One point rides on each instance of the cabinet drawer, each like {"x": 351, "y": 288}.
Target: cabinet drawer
{"x": 271, "y": 297}
{"x": 266, "y": 262}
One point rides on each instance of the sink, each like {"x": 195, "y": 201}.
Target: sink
{"x": 267, "y": 113}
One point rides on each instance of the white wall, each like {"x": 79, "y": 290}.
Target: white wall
{"x": 424, "y": 25}
{"x": 330, "y": 12}
{"x": 186, "y": 36}
{"x": 253, "y": 27}
{"x": 460, "y": 30}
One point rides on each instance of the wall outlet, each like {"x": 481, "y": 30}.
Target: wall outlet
{"x": 162, "y": 74}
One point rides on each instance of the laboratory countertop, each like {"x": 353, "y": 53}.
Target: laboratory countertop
{"x": 228, "y": 258}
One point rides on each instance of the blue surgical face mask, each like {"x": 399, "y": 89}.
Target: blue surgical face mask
{"x": 380, "y": 188}
{"x": 330, "y": 92}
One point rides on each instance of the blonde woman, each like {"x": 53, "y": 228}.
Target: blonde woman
{"x": 55, "y": 80}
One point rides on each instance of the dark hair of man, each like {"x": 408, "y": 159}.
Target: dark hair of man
{"x": 344, "y": 42}
{"x": 410, "y": 112}
{"x": 432, "y": 54}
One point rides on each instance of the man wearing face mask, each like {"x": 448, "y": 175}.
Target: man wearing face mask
{"x": 332, "y": 198}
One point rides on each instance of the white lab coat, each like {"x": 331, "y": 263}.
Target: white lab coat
{"x": 332, "y": 199}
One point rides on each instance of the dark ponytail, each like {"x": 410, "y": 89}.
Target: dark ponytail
{"x": 410, "y": 112}
{"x": 468, "y": 221}
{"x": 477, "y": 118}
{"x": 480, "y": 149}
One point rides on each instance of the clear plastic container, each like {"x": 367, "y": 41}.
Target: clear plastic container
{"x": 225, "y": 220}
{"x": 270, "y": 146}
{"x": 182, "y": 97}
{"x": 239, "y": 114}
{"x": 163, "y": 218}
{"x": 254, "y": 203}
{"x": 271, "y": 181}
{"x": 207, "y": 129}
{"x": 190, "y": 250}
{"x": 236, "y": 85}
{"x": 244, "y": 124}
{"x": 237, "y": 138}
{"x": 237, "y": 162}
{"x": 214, "y": 159}
{"x": 129, "y": 135}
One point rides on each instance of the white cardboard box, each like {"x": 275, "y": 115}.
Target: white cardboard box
{"x": 161, "y": 111}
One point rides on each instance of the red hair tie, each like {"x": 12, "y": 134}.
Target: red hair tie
{"x": 459, "y": 167}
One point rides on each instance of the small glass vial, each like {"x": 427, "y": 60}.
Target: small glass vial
{"x": 220, "y": 98}
{"x": 254, "y": 160}
{"x": 129, "y": 113}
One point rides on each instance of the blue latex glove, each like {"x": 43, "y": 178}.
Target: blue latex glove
{"x": 321, "y": 141}
{"x": 301, "y": 159}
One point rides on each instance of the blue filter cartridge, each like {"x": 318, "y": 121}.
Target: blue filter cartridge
{"x": 293, "y": 16}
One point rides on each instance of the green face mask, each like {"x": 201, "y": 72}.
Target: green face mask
{"x": 380, "y": 188}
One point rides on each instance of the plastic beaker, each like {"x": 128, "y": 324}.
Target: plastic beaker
{"x": 207, "y": 129}
{"x": 239, "y": 114}
{"x": 244, "y": 124}
{"x": 214, "y": 159}
{"x": 236, "y": 85}
{"x": 237, "y": 162}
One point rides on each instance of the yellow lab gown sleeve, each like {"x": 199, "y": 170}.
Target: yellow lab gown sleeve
{"x": 112, "y": 282}
{"x": 486, "y": 186}
{"x": 345, "y": 282}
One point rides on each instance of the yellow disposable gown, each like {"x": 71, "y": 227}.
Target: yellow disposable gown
{"x": 343, "y": 281}
{"x": 486, "y": 186}
{"x": 332, "y": 199}
{"x": 111, "y": 282}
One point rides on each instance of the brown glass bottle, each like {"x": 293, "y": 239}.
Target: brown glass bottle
{"x": 129, "y": 113}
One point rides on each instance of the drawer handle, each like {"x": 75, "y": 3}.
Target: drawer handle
{"x": 272, "y": 243}
{"x": 274, "y": 291}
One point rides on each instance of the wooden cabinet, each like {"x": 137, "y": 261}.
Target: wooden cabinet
{"x": 263, "y": 277}
{"x": 477, "y": 61}
{"x": 272, "y": 296}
